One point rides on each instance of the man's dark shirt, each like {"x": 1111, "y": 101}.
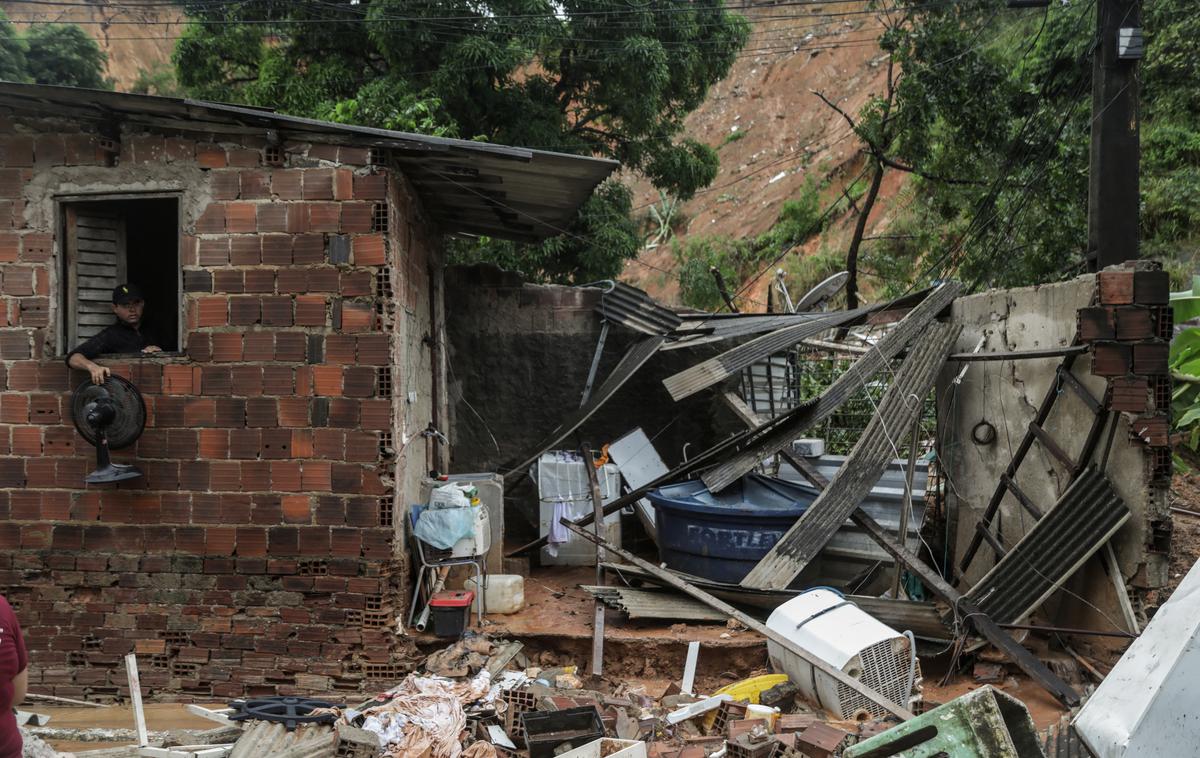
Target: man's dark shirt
{"x": 118, "y": 338}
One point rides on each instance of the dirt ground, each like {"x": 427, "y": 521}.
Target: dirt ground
{"x": 1185, "y": 537}
{"x": 160, "y": 717}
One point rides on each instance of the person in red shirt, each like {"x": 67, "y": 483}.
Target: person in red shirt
{"x": 14, "y": 679}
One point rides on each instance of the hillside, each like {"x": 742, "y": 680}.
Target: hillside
{"x": 773, "y": 136}
{"x": 135, "y": 37}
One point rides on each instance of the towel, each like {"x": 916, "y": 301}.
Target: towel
{"x": 558, "y": 533}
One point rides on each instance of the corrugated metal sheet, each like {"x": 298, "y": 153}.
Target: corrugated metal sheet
{"x": 715, "y": 327}
{"x": 634, "y": 309}
{"x": 865, "y": 464}
{"x": 467, "y": 187}
{"x": 922, "y": 619}
{"x": 791, "y": 425}
{"x": 635, "y": 357}
{"x": 267, "y": 738}
{"x": 725, "y": 365}
{"x": 654, "y": 604}
{"x": 1084, "y": 518}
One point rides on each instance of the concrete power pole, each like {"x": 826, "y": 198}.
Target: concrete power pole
{"x": 1113, "y": 184}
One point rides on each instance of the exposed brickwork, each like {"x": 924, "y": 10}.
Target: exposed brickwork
{"x": 258, "y": 554}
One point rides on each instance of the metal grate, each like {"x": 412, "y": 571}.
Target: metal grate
{"x": 885, "y": 666}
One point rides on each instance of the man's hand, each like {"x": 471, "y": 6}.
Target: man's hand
{"x": 99, "y": 373}
{"x": 152, "y": 349}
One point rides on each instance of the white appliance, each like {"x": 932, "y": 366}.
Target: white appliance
{"x": 562, "y": 478}
{"x": 834, "y": 629}
{"x": 491, "y": 494}
{"x": 1146, "y": 706}
{"x": 640, "y": 464}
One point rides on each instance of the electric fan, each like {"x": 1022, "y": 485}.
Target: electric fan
{"x": 109, "y": 416}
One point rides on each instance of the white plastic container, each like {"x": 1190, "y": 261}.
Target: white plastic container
{"x": 562, "y": 478}
{"x": 482, "y": 539}
{"x": 502, "y": 593}
{"x": 607, "y": 747}
{"x": 839, "y": 633}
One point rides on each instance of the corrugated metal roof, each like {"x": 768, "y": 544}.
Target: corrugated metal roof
{"x": 715, "y": 370}
{"x": 865, "y": 464}
{"x": 923, "y": 619}
{"x": 271, "y": 738}
{"x": 467, "y": 187}
{"x": 791, "y": 425}
{"x": 633, "y": 308}
{"x": 1086, "y": 515}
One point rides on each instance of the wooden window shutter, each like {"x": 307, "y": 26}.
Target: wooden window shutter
{"x": 96, "y": 263}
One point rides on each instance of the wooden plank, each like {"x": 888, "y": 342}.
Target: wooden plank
{"x": 903, "y": 401}
{"x": 598, "y": 524}
{"x": 1017, "y": 355}
{"x": 135, "y": 694}
{"x": 1020, "y": 495}
{"x": 749, "y": 622}
{"x": 1051, "y": 446}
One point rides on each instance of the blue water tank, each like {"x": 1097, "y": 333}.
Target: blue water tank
{"x": 722, "y": 536}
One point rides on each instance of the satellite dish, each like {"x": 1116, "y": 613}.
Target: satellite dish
{"x": 110, "y": 416}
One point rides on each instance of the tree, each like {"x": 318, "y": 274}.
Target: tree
{"x": 12, "y": 52}
{"x": 588, "y": 77}
{"x": 992, "y": 110}
{"x": 64, "y": 54}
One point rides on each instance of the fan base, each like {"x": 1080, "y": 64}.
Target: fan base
{"x": 113, "y": 472}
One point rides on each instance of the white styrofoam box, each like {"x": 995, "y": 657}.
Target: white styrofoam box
{"x": 1146, "y": 706}
{"x": 561, "y": 476}
{"x": 607, "y": 747}
{"x": 809, "y": 447}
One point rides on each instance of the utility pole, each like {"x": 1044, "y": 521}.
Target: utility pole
{"x": 1113, "y": 178}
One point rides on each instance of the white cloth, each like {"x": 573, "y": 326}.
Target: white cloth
{"x": 558, "y": 533}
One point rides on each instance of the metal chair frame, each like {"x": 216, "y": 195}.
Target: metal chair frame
{"x": 429, "y": 566}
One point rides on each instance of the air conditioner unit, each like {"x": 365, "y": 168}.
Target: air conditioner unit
{"x": 834, "y": 629}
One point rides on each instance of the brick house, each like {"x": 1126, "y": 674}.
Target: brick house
{"x": 294, "y": 276}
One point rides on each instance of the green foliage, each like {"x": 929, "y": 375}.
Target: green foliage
{"x": 157, "y": 80}
{"x": 588, "y": 77}
{"x": 64, "y": 54}
{"x": 733, "y": 137}
{"x": 695, "y": 260}
{"x": 798, "y": 220}
{"x": 1024, "y": 148}
{"x": 13, "y": 67}
{"x": 1185, "y": 368}
{"x": 595, "y": 247}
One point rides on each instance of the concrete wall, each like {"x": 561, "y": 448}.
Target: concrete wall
{"x": 259, "y": 553}
{"x": 519, "y": 359}
{"x": 1006, "y": 394}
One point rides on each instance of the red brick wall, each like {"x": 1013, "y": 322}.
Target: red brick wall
{"x": 257, "y": 555}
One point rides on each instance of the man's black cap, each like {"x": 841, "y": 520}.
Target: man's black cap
{"x": 126, "y": 293}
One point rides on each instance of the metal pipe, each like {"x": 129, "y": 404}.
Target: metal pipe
{"x": 1065, "y": 630}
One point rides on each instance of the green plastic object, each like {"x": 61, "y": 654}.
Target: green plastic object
{"x": 986, "y": 723}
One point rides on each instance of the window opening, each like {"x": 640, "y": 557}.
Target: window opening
{"x": 110, "y": 242}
